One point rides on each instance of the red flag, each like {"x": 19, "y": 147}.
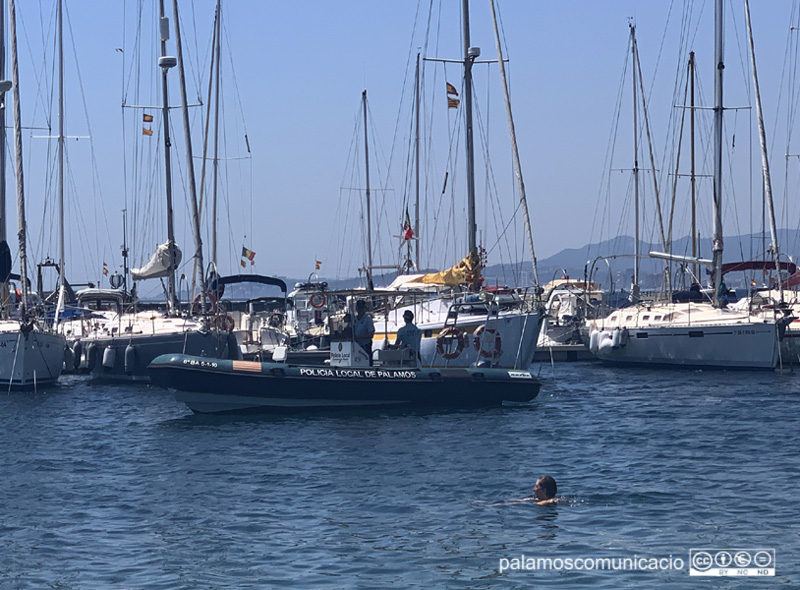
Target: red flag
{"x": 408, "y": 230}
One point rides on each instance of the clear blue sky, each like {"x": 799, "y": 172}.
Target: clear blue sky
{"x": 300, "y": 69}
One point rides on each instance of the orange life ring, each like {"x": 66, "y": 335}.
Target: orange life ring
{"x": 444, "y": 343}
{"x": 480, "y": 339}
{"x": 197, "y": 305}
{"x": 317, "y": 300}
{"x": 224, "y": 322}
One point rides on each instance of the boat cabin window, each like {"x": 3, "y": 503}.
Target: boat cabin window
{"x": 645, "y": 317}
{"x": 658, "y": 317}
{"x": 628, "y": 318}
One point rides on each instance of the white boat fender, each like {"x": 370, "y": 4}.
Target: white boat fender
{"x": 77, "y": 352}
{"x": 109, "y": 357}
{"x": 615, "y": 338}
{"x": 623, "y": 337}
{"x": 594, "y": 341}
{"x": 606, "y": 342}
{"x": 130, "y": 358}
{"x": 91, "y": 356}
{"x": 69, "y": 359}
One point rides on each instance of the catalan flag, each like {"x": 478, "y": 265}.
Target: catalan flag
{"x": 146, "y": 131}
{"x": 452, "y": 103}
{"x": 451, "y": 89}
{"x": 249, "y": 255}
{"x": 147, "y": 118}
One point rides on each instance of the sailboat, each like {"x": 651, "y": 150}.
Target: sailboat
{"x": 121, "y": 345}
{"x": 495, "y": 327}
{"x": 31, "y": 353}
{"x": 703, "y": 335}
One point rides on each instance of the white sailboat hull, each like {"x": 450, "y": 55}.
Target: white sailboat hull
{"x": 703, "y": 338}
{"x": 29, "y": 360}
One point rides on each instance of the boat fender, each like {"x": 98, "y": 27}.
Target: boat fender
{"x": 594, "y": 341}
{"x": 77, "y": 352}
{"x": 445, "y": 340}
{"x": 232, "y": 345}
{"x": 91, "y": 356}
{"x": 606, "y": 342}
{"x": 615, "y": 339}
{"x": 623, "y": 337}
{"x": 69, "y": 358}
{"x": 224, "y": 322}
{"x": 211, "y": 304}
{"x": 483, "y": 336}
{"x": 109, "y": 357}
{"x": 130, "y": 358}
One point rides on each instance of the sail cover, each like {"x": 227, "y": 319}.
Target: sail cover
{"x": 161, "y": 263}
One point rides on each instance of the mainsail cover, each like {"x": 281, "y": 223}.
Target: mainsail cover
{"x": 161, "y": 263}
{"x": 463, "y": 272}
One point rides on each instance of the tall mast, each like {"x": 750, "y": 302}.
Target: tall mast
{"x": 166, "y": 63}
{"x": 635, "y": 287}
{"x": 720, "y": 65}
{"x": 369, "y": 219}
{"x": 187, "y": 134}
{"x": 692, "y": 177}
{"x": 523, "y": 198}
{"x": 416, "y": 159}
{"x": 3, "y": 235}
{"x": 61, "y": 290}
{"x": 470, "y": 54}
{"x": 23, "y": 255}
{"x": 762, "y": 135}
{"x": 218, "y": 61}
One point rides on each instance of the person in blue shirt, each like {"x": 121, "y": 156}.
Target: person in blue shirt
{"x": 409, "y": 336}
{"x": 363, "y": 328}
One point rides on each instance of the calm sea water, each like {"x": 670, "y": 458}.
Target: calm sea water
{"x": 120, "y": 486}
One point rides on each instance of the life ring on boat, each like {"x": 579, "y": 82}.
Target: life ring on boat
{"x": 224, "y": 322}
{"x": 480, "y": 339}
{"x": 317, "y": 300}
{"x": 444, "y": 343}
{"x": 197, "y": 305}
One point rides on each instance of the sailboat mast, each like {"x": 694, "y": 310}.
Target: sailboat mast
{"x": 166, "y": 63}
{"x": 369, "y": 213}
{"x": 3, "y": 231}
{"x": 693, "y": 178}
{"x": 634, "y": 57}
{"x": 23, "y": 255}
{"x": 523, "y": 198}
{"x": 218, "y": 61}
{"x": 61, "y": 293}
{"x": 762, "y": 135}
{"x": 187, "y": 135}
{"x": 719, "y": 62}
{"x": 416, "y": 161}
{"x": 470, "y": 54}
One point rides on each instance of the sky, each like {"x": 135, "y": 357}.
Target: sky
{"x": 293, "y": 75}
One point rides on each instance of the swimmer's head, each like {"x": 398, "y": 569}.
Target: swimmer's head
{"x": 545, "y": 488}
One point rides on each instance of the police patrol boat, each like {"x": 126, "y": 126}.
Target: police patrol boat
{"x": 218, "y": 386}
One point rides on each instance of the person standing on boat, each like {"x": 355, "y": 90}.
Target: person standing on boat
{"x": 363, "y": 328}
{"x": 409, "y": 336}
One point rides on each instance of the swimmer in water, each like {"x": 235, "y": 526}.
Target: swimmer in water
{"x": 544, "y": 491}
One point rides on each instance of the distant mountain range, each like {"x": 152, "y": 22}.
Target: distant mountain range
{"x": 612, "y": 261}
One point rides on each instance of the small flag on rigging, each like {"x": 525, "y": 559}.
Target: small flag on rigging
{"x": 105, "y": 269}
{"x": 249, "y": 254}
{"x": 147, "y": 118}
{"x": 452, "y": 103}
{"x": 451, "y": 89}
{"x": 146, "y": 131}
{"x": 408, "y": 230}
{"x": 318, "y": 264}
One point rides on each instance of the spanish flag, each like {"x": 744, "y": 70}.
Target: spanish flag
{"x": 147, "y": 118}
{"x": 451, "y": 89}
{"x": 105, "y": 269}
{"x": 249, "y": 254}
{"x": 318, "y": 265}
{"x": 146, "y": 131}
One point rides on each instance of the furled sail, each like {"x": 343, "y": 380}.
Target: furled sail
{"x": 461, "y": 273}
{"x": 161, "y": 263}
